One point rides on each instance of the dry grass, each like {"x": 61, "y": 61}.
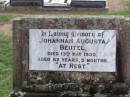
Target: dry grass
{"x": 117, "y": 5}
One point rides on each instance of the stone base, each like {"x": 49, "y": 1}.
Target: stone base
{"x": 74, "y": 9}
{"x": 117, "y": 90}
{"x": 22, "y": 94}
{"x": 63, "y": 94}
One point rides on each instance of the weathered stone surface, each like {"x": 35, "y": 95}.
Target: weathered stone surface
{"x": 81, "y": 81}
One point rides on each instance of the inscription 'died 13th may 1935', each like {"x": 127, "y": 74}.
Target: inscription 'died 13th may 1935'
{"x": 72, "y": 50}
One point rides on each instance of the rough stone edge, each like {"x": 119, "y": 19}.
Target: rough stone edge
{"x": 70, "y": 94}
{"x": 28, "y": 17}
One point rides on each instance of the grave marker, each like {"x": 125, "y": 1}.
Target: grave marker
{"x": 61, "y": 3}
{"x": 39, "y": 43}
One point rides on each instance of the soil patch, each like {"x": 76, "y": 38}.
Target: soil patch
{"x": 117, "y": 5}
{"x": 6, "y": 29}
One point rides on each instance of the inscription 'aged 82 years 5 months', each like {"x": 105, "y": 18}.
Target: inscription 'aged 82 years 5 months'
{"x": 72, "y": 50}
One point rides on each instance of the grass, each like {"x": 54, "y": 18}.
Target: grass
{"x": 5, "y": 18}
{"x": 5, "y": 65}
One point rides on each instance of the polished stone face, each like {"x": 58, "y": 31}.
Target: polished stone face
{"x": 89, "y": 3}
{"x": 57, "y": 3}
{"x": 26, "y": 2}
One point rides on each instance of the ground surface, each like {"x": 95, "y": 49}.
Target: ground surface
{"x": 6, "y": 28}
{"x": 117, "y": 5}
{"x": 5, "y": 65}
{"x": 6, "y": 41}
{"x": 6, "y": 60}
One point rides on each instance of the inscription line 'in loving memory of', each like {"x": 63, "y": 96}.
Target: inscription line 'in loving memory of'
{"x": 72, "y": 50}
